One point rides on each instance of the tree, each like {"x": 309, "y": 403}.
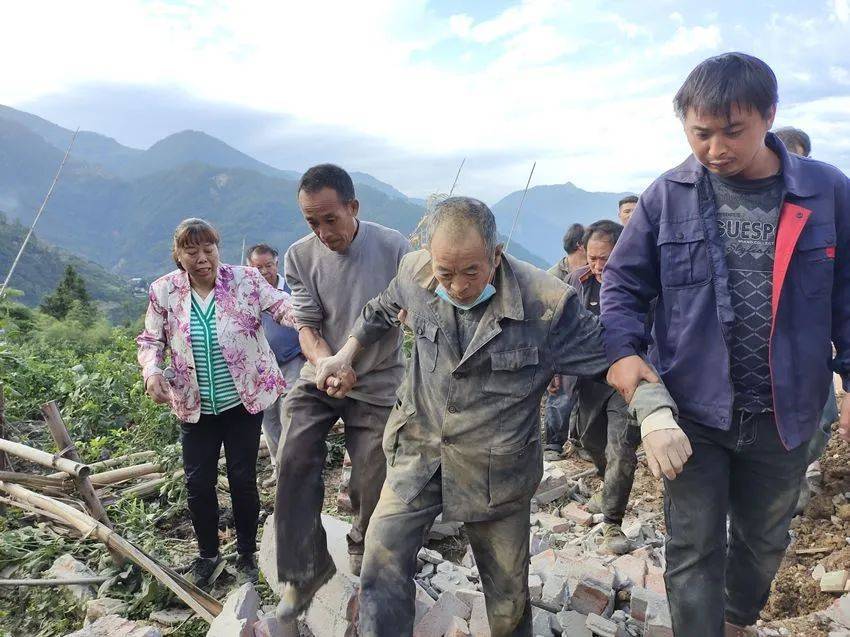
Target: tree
{"x": 70, "y": 289}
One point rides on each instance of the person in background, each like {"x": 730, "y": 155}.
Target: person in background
{"x": 559, "y": 401}
{"x": 333, "y": 273}
{"x": 285, "y": 345}
{"x": 206, "y": 316}
{"x": 575, "y": 256}
{"x": 603, "y": 426}
{"x": 799, "y": 143}
{"x": 625, "y": 208}
{"x": 795, "y": 140}
{"x": 745, "y": 246}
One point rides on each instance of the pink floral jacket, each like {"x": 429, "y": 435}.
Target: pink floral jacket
{"x": 241, "y": 293}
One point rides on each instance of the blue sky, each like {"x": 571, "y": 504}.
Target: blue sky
{"x": 405, "y": 89}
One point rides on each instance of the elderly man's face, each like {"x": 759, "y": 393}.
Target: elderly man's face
{"x": 266, "y": 263}
{"x": 599, "y": 248}
{"x": 333, "y": 221}
{"x": 461, "y": 264}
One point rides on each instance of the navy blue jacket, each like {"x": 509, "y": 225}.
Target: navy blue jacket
{"x": 672, "y": 249}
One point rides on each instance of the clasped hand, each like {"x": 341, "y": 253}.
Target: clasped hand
{"x": 335, "y": 376}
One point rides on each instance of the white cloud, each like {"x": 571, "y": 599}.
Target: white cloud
{"x": 691, "y": 39}
{"x": 840, "y": 75}
{"x": 677, "y": 17}
{"x": 841, "y": 10}
{"x": 510, "y": 21}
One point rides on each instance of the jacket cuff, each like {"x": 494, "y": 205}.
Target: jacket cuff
{"x": 150, "y": 370}
{"x": 616, "y": 351}
{"x": 649, "y": 398}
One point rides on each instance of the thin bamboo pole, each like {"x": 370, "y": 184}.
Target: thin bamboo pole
{"x": 139, "y": 456}
{"x": 31, "y": 480}
{"x": 43, "y": 458}
{"x": 76, "y": 581}
{"x": 199, "y": 601}
{"x": 124, "y": 473}
{"x": 67, "y": 448}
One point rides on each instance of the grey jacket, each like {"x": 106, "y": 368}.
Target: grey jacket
{"x": 477, "y": 414}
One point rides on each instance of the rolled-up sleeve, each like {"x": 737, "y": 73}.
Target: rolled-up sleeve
{"x": 306, "y": 310}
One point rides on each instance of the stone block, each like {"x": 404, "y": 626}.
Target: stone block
{"x": 439, "y": 617}
{"x": 833, "y": 581}
{"x": 66, "y": 567}
{"x": 573, "y": 624}
{"x": 655, "y": 580}
{"x": 555, "y": 589}
{"x": 429, "y": 555}
{"x": 440, "y": 530}
{"x": 538, "y": 541}
{"x": 629, "y": 571}
{"x": 239, "y": 614}
{"x": 542, "y": 622}
{"x": 550, "y": 495}
{"x": 115, "y": 626}
{"x": 553, "y": 523}
{"x": 578, "y": 515}
{"x": 839, "y": 612}
{"x": 269, "y": 626}
{"x": 102, "y": 606}
{"x": 543, "y": 562}
{"x": 645, "y": 602}
{"x": 479, "y": 625}
{"x": 591, "y": 597}
{"x": 422, "y": 601}
{"x": 600, "y": 626}
{"x": 535, "y": 586}
{"x": 450, "y": 581}
{"x": 171, "y": 617}
{"x": 458, "y": 628}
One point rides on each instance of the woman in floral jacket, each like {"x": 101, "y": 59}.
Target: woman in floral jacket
{"x": 222, "y": 375}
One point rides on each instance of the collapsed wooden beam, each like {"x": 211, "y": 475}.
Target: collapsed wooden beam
{"x": 76, "y": 469}
{"x": 202, "y": 603}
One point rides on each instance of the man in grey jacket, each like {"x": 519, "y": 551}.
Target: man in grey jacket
{"x": 464, "y": 436}
{"x": 333, "y": 273}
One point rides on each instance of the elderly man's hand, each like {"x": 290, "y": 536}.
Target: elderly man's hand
{"x": 157, "y": 388}
{"x": 844, "y": 419}
{"x": 335, "y": 375}
{"x": 627, "y": 373}
{"x": 667, "y": 451}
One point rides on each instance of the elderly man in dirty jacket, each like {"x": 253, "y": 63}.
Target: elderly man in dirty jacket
{"x": 464, "y": 436}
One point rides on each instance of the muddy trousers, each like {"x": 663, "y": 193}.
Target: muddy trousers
{"x": 396, "y": 534}
{"x": 308, "y": 416}
{"x": 744, "y": 474}
{"x": 239, "y": 432}
{"x": 611, "y": 437}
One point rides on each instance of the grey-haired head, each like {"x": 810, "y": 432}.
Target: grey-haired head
{"x": 459, "y": 215}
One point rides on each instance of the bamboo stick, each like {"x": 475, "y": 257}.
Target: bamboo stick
{"x": 45, "y": 459}
{"x": 76, "y": 581}
{"x": 32, "y": 480}
{"x": 67, "y": 448}
{"x": 124, "y": 473}
{"x": 199, "y": 601}
{"x": 31, "y": 509}
{"x": 143, "y": 456}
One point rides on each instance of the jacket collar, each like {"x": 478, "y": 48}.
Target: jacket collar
{"x": 797, "y": 182}
{"x": 507, "y": 302}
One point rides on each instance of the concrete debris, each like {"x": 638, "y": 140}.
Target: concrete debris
{"x": 440, "y": 616}
{"x": 102, "y": 606}
{"x": 66, "y": 567}
{"x": 171, "y": 617}
{"x": 833, "y": 581}
{"x": 115, "y": 626}
{"x": 573, "y": 623}
{"x": 601, "y": 626}
{"x": 239, "y": 614}
{"x": 440, "y": 530}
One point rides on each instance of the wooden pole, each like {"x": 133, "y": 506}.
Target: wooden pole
{"x": 96, "y": 467}
{"x": 43, "y": 458}
{"x": 123, "y": 473}
{"x": 32, "y": 480}
{"x": 67, "y": 448}
{"x": 199, "y": 601}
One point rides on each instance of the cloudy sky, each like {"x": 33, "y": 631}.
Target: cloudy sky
{"x": 404, "y": 89}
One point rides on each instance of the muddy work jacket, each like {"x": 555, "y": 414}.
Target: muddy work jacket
{"x": 476, "y": 414}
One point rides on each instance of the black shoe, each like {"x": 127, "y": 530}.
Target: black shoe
{"x": 202, "y": 570}
{"x": 246, "y": 569}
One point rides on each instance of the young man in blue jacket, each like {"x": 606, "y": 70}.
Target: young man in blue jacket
{"x": 747, "y": 249}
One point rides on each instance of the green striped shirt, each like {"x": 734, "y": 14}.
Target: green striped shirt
{"x": 218, "y": 391}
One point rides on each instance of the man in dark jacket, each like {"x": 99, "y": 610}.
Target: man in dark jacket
{"x": 746, "y": 247}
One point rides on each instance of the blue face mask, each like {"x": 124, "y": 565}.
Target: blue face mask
{"x": 485, "y": 295}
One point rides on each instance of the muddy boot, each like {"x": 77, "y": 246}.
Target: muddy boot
{"x": 295, "y": 598}
{"x": 594, "y": 505}
{"x": 246, "y": 570}
{"x": 202, "y": 569}
{"x": 614, "y": 541}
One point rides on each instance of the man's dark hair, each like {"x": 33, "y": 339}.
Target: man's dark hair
{"x": 627, "y": 199}
{"x": 572, "y": 238}
{"x": 791, "y": 136}
{"x": 607, "y": 229}
{"x": 328, "y": 176}
{"x": 720, "y": 82}
{"x": 262, "y": 248}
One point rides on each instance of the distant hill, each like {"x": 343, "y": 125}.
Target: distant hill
{"x": 117, "y": 206}
{"x": 41, "y": 267}
{"x": 549, "y": 210}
